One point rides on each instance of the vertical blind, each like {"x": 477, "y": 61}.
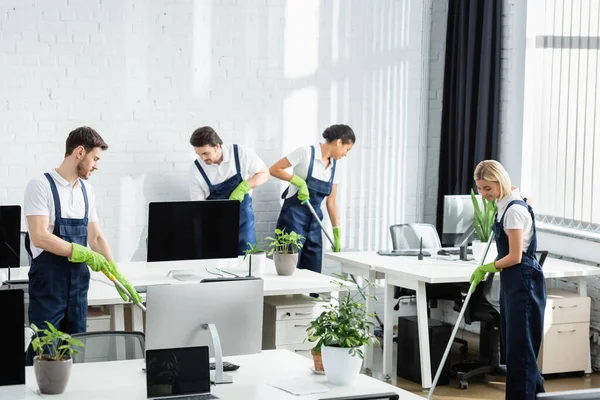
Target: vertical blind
{"x": 561, "y": 132}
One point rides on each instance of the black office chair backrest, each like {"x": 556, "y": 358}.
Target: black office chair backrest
{"x": 374, "y": 396}
{"x": 541, "y": 256}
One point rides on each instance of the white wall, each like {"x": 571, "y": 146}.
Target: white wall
{"x": 266, "y": 74}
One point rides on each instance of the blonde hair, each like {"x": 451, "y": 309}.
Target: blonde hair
{"x": 493, "y": 171}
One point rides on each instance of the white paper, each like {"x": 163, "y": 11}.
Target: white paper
{"x": 299, "y": 386}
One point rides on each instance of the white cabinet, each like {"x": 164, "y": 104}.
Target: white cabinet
{"x": 566, "y": 343}
{"x": 285, "y": 321}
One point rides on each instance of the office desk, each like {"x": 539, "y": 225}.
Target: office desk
{"x": 141, "y": 273}
{"x": 125, "y": 380}
{"x": 410, "y": 273}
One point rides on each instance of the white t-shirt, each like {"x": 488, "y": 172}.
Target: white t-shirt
{"x": 250, "y": 164}
{"x": 39, "y": 201}
{"x": 517, "y": 217}
{"x": 300, "y": 160}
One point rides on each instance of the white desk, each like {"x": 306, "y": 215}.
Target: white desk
{"x": 410, "y": 273}
{"x": 125, "y": 380}
{"x": 141, "y": 273}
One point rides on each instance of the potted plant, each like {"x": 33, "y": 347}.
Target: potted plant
{"x": 483, "y": 219}
{"x": 285, "y": 247}
{"x": 341, "y": 333}
{"x": 257, "y": 258}
{"x": 52, "y": 364}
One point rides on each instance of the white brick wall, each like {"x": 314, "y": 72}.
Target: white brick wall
{"x": 437, "y": 54}
{"x": 266, "y": 74}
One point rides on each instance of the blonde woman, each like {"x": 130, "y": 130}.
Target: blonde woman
{"x": 522, "y": 284}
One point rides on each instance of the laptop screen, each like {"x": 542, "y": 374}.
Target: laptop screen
{"x": 177, "y": 371}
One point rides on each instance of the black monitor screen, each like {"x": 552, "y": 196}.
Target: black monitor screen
{"x": 176, "y": 372}
{"x": 12, "y": 314}
{"x": 193, "y": 230}
{"x": 10, "y": 236}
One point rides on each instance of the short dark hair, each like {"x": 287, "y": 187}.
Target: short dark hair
{"x": 86, "y": 137}
{"x": 205, "y": 136}
{"x": 343, "y": 132}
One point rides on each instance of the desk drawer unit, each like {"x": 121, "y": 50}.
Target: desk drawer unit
{"x": 285, "y": 321}
{"x": 566, "y": 345}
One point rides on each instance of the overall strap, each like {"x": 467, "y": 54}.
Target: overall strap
{"x": 237, "y": 158}
{"x": 312, "y": 162}
{"x": 203, "y": 174}
{"x": 55, "y": 197}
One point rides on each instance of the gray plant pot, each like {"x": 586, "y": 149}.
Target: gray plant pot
{"x": 285, "y": 264}
{"x": 52, "y": 376}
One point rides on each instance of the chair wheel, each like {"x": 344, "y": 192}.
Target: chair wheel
{"x": 463, "y": 385}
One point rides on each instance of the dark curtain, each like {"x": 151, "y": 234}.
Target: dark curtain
{"x": 471, "y": 101}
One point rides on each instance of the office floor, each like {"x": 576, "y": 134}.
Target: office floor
{"x": 491, "y": 389}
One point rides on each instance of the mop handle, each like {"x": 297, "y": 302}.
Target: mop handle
{"x": 457, "y": 325}
{"x": 118, "y": 284}
{"x": 312, "y": 210}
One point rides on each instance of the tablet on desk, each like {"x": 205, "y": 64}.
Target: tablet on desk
{"x": 411, "y": 252}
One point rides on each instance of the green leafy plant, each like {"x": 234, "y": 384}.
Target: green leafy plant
{"x": 483, "y": 218}
{"x": 284, "y": 242}
{"x": 253, "y": 249}
{"x": 53, "y": 345}
{"x": 344, "y": 322}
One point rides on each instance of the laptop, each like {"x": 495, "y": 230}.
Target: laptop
{"x": 178, "y": 374}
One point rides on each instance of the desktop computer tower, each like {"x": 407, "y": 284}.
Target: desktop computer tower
{"x": 409, "y": 355}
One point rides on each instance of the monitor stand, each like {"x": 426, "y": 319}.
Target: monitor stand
{"x": 217, "y": 375}
{"x": 10, "y": 281}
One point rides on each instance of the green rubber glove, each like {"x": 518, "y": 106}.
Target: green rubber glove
{"x": 300, "y": 183}
{"x": 480, "y": 272}
{"x": 336, "y": 240}
{"x": 110, "y": 268}
{"x": 82, "y": 254}
{"x": 240, "y": 191}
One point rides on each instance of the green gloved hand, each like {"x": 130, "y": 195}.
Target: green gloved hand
{"x": 110, "y": 268}
{"x": 337, "y": 242}
{"x": 479, "y": 273}
{"x": 240, "y": 191}
{"x": 82, "y": 254}
{"x": 300, "y": 183}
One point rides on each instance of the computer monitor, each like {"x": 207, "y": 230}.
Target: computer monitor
{"x": 584, "y": 394}
{"x": 176, "y": 314}
{"x": 458, "y": 217}
{"x": 193, "y": 230}
{"x": 10, "y": 236}
{"x": 12, "y": 315}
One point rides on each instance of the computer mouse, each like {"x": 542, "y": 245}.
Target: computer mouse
{"x": 444, "y": 252}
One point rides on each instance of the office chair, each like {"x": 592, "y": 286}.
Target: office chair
{"x": 374, "y": 396}
{"x": 110, "y": 346}
{"x": 490, "y": 342}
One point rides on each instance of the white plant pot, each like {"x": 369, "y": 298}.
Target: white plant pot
{"x": 258, "y": 262}
{"x": 340, "y": 367}
{"x": 479, "y": 248}
{"x": 285, "y": 264}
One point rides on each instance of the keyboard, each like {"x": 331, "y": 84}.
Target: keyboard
{"x": 453, "y": 252}
{"x": 226, "y": 366}
{"x": 402, "y": 253}
{"x": 190, "y": 397}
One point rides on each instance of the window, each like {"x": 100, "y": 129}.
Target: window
{"x": 561, "y": 123}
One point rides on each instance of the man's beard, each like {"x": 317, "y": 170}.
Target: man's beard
{"x": 81, "y": 171}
